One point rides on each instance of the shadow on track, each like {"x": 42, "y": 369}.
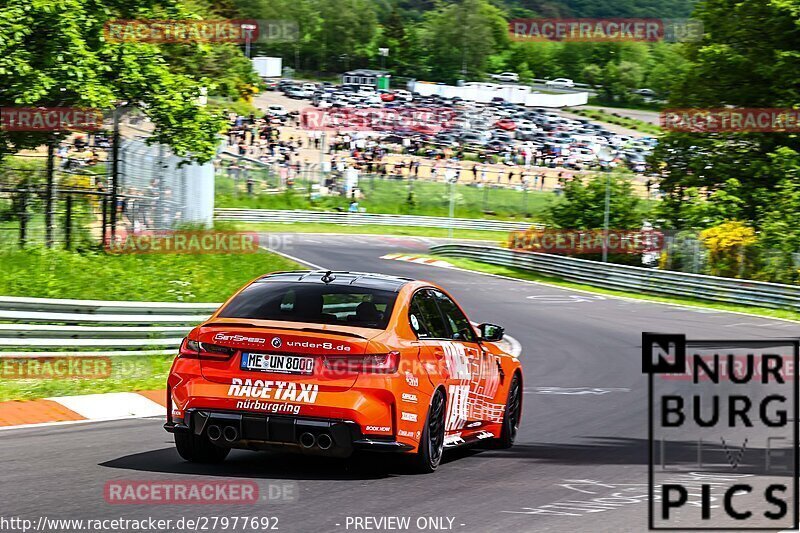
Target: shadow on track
{"x": 274, "y": 465}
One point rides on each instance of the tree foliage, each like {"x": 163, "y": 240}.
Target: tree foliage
{"x": 582, "y": 205}
{"x": 746, "y": 59}
{"x": 54, "y": 54}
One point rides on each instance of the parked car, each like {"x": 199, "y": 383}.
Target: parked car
{"x": 526, "y": 133}
{"x": 277, "y": 110}
{"x": 506, "y": 124}
{"x": 648, "y": 93}
{"x": 560, "y": 82}
{"x": 295, "y": 92}
{"x": 506, "y": 76}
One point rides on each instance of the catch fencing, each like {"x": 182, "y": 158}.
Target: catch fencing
{"x": 634, "y": 279}
{"x": 65, "y": 193}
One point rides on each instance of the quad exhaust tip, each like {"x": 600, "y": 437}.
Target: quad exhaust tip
{"x": 307, "y": 440}
{"x": 230, "y": 433}
{"x": 324, "y": 441}
{"x": 214, "y": 432}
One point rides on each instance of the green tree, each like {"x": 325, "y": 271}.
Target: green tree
{"x": 592, "y": 74}
{"x": 582, "y": 205}
{"x": 666, "y": 65}
{"x": 347, "y": 32}
{"x": 619, "y": 80}
{"x": 463, "y": 34}
{"x": 55, "y": 54}
{"x": 737, "y": 63}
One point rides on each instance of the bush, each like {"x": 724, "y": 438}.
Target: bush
{"x": 731, "y": 249}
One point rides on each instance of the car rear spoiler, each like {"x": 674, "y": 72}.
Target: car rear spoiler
{"x": 308, "y": 330}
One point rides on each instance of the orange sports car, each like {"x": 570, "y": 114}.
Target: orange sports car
{"x": 332, "y": 362}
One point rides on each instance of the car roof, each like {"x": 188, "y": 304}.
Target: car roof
{"x": 355, "y": 279}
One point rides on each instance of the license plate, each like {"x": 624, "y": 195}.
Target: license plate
{"x": 284, "y": 364}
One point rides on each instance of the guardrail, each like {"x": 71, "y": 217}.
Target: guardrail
{"x": 16, "y": 303}
{"x": 634, "y": 279}
{"x": 360, "y": 219}
{"x": 34, "y": 327}
{"x": 130, "y": 328}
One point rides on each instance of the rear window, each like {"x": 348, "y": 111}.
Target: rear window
{"x": 344, "y": 305}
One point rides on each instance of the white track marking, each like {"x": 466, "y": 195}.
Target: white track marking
{"x": 111, "y": 406}
{"x": 293, "y": 258}
{"x": 513, "y": 346}
{"x": 417, "y": 259}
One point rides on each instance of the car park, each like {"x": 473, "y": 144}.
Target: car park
{"x": 497, "y": 126}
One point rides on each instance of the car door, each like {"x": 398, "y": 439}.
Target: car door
{"x": 449, "y": 341}
{"x": 428, "y": 323}
{"x": 484, "y": 375}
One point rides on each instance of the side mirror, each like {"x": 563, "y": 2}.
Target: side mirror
{"x": 491, "y": 332}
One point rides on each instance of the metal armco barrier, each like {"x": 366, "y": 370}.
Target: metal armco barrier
{"x": 634, "y": 279}
{"x": 360, "y": 219}
{"x": 40, "y": 327}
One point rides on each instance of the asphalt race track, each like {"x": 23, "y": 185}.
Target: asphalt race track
{"x": 583, "y": 435}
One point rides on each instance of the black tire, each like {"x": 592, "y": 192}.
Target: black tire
{"x": 512, "y": 415}
{"x": 198, "y": 449}
{"x": 431, "y": 443}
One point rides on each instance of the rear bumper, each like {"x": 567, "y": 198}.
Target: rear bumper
{"x": 316, "y": 436}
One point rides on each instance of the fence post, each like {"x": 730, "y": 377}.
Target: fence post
{"x": 23, "y": 217}
{"x": 49, "y": 200}
{"x": 68, "y": 224}
{"x": 158, "y": 217}
{"x": 525, "y": 200}
{"x": 104, "y": 207}
{"x": 114, "y": 174}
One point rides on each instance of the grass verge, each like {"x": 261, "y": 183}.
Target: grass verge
{"x": 558, "y": 282}
{"x": 127, "y": 374}
{"x": 613, "y": 118}
{"x": 38, "y": 272}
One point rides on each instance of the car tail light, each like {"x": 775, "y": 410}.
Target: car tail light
{"x": 202, "y": 350}
{"x": 385, "y": 363}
